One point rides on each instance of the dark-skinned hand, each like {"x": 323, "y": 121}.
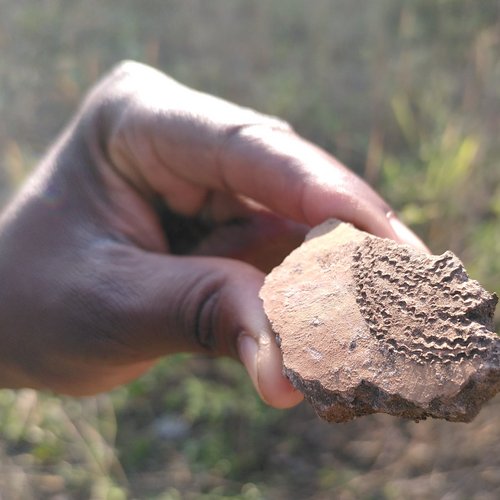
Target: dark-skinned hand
{"x": 147, "y": 230}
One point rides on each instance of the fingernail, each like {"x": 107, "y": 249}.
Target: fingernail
{"x": 248, "y": 351}
{"x": 405, "y": 234}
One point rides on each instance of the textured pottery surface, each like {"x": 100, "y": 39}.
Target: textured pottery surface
{"x": 367, "y": 325}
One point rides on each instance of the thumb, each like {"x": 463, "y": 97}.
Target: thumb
{"x": 202, "y": 304}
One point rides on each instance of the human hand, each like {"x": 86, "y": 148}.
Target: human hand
{"x": 147, "y": 230}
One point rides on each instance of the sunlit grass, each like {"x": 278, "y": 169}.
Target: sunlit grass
{"x": 404, "y": 92}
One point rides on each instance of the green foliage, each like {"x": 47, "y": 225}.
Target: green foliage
{"x": 405, "y": 93}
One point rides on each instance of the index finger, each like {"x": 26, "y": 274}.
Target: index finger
{"x": 171, "y": 134}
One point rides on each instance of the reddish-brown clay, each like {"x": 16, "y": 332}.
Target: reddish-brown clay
{"x": 367, "y": 325}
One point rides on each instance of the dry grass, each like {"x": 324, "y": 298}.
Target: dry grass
{"x": 407, "y": 94}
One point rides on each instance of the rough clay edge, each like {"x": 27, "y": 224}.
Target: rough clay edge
{"x": 339, "y": 406}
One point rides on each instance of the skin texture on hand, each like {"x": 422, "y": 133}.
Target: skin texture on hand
{"x": 148, "y": 229}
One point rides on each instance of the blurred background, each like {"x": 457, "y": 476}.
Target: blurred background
{"x": 405, "y": 93}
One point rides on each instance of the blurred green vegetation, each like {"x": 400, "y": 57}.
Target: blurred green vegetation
{"x": 405, "y": 93}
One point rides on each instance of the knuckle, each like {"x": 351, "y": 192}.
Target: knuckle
{"x": 270, "y": 124}
{"x": 257, "y": 129}
{"x": 126, "y": 68}
{"x": 250, "y": 125}
{"x": 118, "y": 88}
{"x": 277, "y": 123}
{"x": 132, "y": 71}
{"x": 204, "y": 319}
